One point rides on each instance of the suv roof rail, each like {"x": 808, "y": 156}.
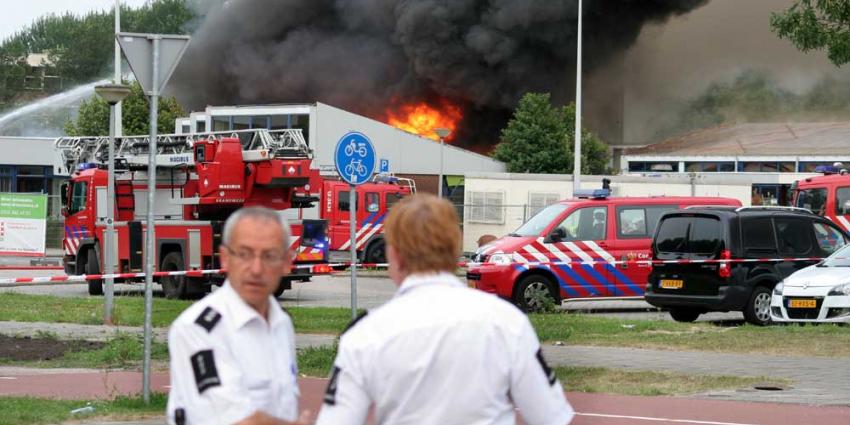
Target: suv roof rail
{"x": 711, "y": 207}
{"x": 775, "y": 207}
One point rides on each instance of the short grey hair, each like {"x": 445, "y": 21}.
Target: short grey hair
{"x": 256, "y": 213}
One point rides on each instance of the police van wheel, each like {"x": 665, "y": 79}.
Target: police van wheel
{"x": 92, "y": 267}
{"x": 174, "y": 287}
{"x": 757, "y": 310}
{"x": 535, "y": 293}
{"x": 684, "y": 314}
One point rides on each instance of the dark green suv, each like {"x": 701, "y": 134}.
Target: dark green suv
{"x": 774, "y": 241}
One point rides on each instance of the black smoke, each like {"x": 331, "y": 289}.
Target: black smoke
{"x": 368, "y": 55}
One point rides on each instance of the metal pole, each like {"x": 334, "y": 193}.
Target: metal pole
{"x": 352, "y": 204}
{"x": 119, "y": 127}
{"x": 440, "y": 181}
{"x": 150, "y": 252}
{"x": 577, "y": 145}
{"x": 109, "y": 240}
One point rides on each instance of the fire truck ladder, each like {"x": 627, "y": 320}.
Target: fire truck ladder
{"x": 176, "y": 149}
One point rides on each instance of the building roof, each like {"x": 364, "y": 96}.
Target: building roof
{"x": 757, "y": 139}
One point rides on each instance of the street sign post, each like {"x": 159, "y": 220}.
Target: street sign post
{"x": 152, "y": 58}
{"x": 354, "y": 159}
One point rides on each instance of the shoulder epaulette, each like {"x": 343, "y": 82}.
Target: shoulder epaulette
{"x": 208, "y": 319}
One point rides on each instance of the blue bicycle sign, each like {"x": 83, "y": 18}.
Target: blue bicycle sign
{"x": 354, "y": 158}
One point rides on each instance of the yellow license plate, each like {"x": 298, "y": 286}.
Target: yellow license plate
{"x": 803, "y": 303}
{"x": 470, "y": 283}
{"x": 672, "y": 283}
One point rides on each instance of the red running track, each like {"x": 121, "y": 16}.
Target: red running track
{"x": 592, "y": 409}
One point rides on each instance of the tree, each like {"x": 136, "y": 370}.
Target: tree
{"x": 817, "y": 25}
{"x": 539, "y": 139}
{"x": 93, "y": 118}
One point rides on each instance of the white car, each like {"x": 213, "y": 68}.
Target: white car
{"x": 818, "y": 293}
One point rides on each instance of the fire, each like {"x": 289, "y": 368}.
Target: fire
{"x": 422, "y": 118}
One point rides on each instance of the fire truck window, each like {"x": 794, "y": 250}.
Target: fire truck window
{"x": 632, "y": 222}
{"x": 794, "y": 237}
{"x": 829, "y": 239}
{"x": 586, "y": 224}
{"x": 392, "y": 198}
{"x": 373, "y": 202}
{"x": 812, "y": 199}
{"x": 78, "y": 198}
{"x": 842, "y": 201}
{"x": 342, "y": 201}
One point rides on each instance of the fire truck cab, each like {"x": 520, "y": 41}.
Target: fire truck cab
{"x": 594, "y": 229}
{"x": 827, "y": 195}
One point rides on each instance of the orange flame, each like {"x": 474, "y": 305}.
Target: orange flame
{"x": 422, "y": 119}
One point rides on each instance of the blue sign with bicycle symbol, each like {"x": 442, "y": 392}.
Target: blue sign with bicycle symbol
{"x": 355, "y": 158}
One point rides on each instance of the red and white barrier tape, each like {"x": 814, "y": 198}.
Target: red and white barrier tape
{"x": 644, "y": 262}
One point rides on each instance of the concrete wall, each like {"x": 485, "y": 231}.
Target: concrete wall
{"x": 517, "y": 187}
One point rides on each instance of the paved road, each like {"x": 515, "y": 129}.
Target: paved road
{"x": 592, "y": 409}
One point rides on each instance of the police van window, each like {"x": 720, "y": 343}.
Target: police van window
{"x": 829, "y": 239}
{"x": 794, "y": 236}
{"x": 842, "y": 201}
{"x": 373, "y": 202}
{"x": 586, "y": 224}
{"x": 342, "y": 201}
{"x": 538, "y": 223}
{"x": 78, "y": 198}
{"x": 704, "y": 236}
{"x": 758, "y": 234}
{"x": 812, "y": 199}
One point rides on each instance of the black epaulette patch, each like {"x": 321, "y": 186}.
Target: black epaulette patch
{"x": 208, "y": 319}
{"x": 330, "y": 393}
{"x": 550, "y": 374}
{"x": 206, "y": 375}
{"x": 354, "y": 322}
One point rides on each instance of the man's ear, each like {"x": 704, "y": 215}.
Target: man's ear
{"x": 223, "y": 255}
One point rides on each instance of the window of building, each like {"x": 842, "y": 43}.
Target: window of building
{"x": 653, "y": 166}
{"x": 810, "y": 166}
{"x": 766, "y": 167}
{"x": 710, "y": 167}
{"x": 260, "y": 121}
{"x": 32, "y": 179}
{"x": 201, "y": 126}
{"x": 221, "y": 124}
{"x": 5, "y": 179}
{"x": 241, "y": 123}
{"x": 539, "y": 200}
{"x": 487, "y": 207}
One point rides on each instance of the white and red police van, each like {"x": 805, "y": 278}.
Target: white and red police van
{"x": 577, "y": 248}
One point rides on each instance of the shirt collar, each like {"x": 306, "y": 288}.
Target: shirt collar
{"x": 421, "y": 279}
{"x": 242, "y": 313}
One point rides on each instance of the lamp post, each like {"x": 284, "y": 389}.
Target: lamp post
{"x": 577, "y": 144}
{"x": 112, "y": 94}
{"x": 442, "y": 133}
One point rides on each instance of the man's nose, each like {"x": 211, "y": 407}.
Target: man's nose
{"x": 256, "y": 264}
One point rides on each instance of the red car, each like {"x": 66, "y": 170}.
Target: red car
{"x": 550, "y": 254}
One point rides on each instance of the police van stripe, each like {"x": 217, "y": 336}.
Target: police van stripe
{"x": 368, "y": 219}
{"x": 571, "y": 291}
{"x": 535, "y": 253}
{"x": 551, "y": 250}
{"x": 578, "y": 251}
{"x": 599, "y": 251}
{"x": 591, "y": 270}
{"x": 376, "y": 226}
{"x": 636, "y": 289}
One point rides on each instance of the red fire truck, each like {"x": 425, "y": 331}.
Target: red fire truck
{"x": 827, "y": 195}
{"x": 202, "y": 180}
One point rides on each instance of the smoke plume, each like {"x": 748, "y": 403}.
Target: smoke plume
{"x": 369, "y": 55}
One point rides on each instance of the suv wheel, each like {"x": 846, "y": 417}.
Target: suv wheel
{"x": 757, "y": 310}
{"x": 534, "y": 293}
{"x": 684, "y": 314}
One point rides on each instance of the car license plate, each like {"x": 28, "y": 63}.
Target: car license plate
{"x": 672, "y": 283}
{"x": 802, "y": 303}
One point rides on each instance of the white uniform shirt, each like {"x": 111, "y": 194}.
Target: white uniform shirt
{"x": 441, "y": 353}
{"x": 227, "y": 361}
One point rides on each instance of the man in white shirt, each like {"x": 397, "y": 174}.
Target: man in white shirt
{"x": 439, "y": 352}
{"x": 233, "y": 352}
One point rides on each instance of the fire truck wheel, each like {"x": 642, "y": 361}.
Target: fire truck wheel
{"x": 535, "y": 293}
{"x": 376, "y": 253}
{"x": 174, "y": 287}
{"x": 92, "y": 267}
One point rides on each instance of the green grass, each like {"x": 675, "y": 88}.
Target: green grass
{"x": 129, "y": 311}
{"x": 652, "y": 383}
{"x": 316, "y": 361}
{"x": 121, "y": 352}
{"x": 582, "y": 329}
{"x": 31, "y": 411}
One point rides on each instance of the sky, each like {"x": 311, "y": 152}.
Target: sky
{"x": 15, "y": 18}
